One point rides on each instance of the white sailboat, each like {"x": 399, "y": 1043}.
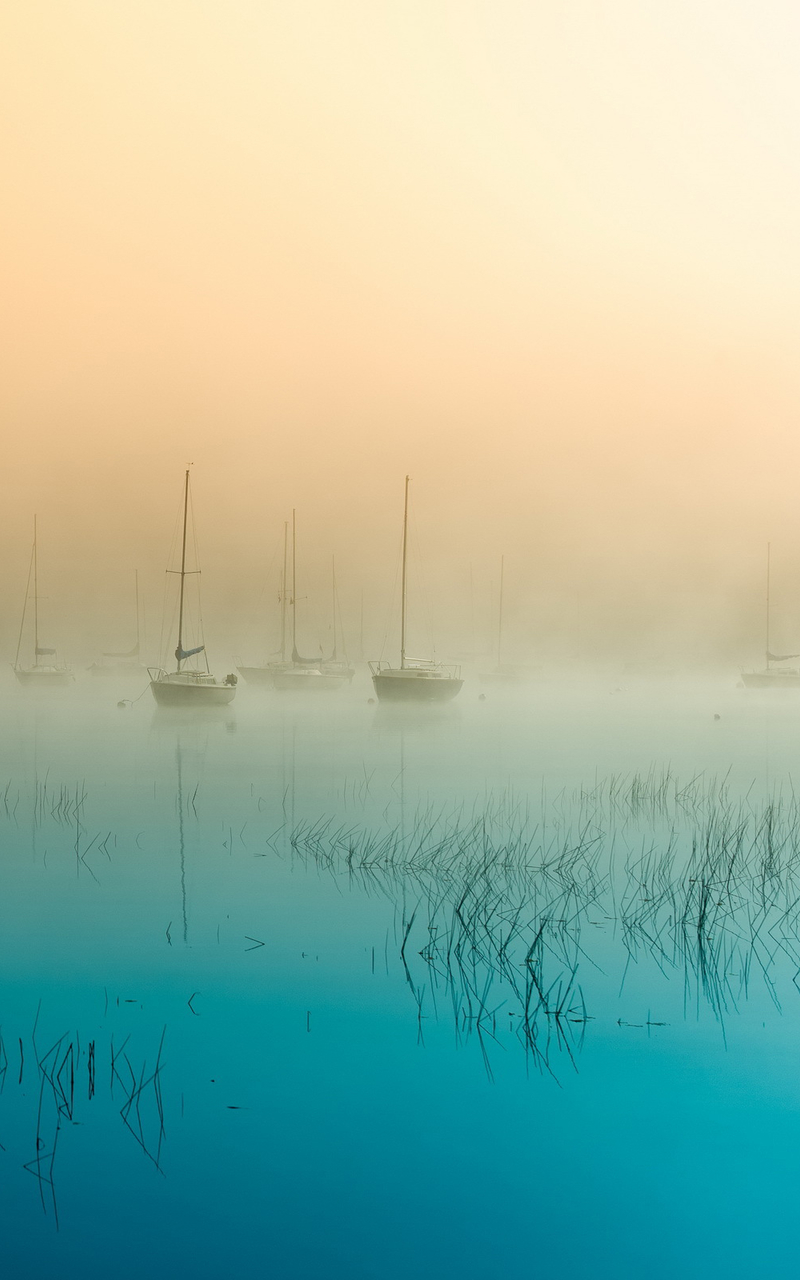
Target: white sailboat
{"x": 42, "y": 674}
{"x": 310, "y": 674}
{"x": 772, "y": 677}
{"x": 415, "y": 680}
{"x": 188, "y": 686}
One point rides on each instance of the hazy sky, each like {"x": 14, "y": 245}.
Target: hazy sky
{"x": 542, "y": 256}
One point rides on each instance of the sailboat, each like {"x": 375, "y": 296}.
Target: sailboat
{"x": 263, "y": 675}
{"x": 415, "y": 680}
{"x": 772, "y": 677}
{"x": 126, "y": 663}
{"x": 41, "y": 674}
{"x": 318, "y": 674}
{"x": 186, "y": 686}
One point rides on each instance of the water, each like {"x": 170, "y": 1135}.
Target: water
{"x": 307, "y": 989}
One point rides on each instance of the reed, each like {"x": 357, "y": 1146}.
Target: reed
{"x": 688, "y": 877}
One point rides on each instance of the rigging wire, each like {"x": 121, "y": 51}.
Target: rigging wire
{"x": 393, "y": 600}
{"x": 162, "y": 657}
{"x": 421, "y": 586}
{"x": 24, "y": 608}
{"x": 165, "y": 634}
{"x": 200, "y": 628}
{"x": 337, "y": 613}
{"x": 265, "y": 585}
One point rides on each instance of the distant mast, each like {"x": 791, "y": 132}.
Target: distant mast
{"x": 35, "y": 599}
{"x": 294, "y": 586}
{"x": 403, "y": 585}
{"x": 361, "y": 628}
{"x": 333, "y": 592}
{"x": 768, "y": 652}
{"x": 284, "y": 586}
{"x": 183, "y": 568}
{"x": 24, "y": 608}
{"x": 500, "y": 617}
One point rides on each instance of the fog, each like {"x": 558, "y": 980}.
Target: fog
{"x": 541, "y": 258}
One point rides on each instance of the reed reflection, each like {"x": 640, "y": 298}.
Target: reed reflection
{"x": 53, "y": 1086}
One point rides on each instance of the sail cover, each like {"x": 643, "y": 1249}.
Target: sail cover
{"x": 132, "y": 653}
{"x": 781, "y": 657}
{"x": 41, "y": 652}
{"x": 180, "y": 653}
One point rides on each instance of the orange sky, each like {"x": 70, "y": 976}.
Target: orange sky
{"x": 543, "y": 257}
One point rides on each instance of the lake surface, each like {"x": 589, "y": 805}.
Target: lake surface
{"x": 309, "y": 989}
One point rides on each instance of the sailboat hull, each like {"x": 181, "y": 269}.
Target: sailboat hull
{"x": 415, "y": 686}
{"x": 258, "y": 675}
{"x": 506, "y": 673}
{"x": 778, "y": 679}
{"x": 311, "y": 679}
{"x": 127, "y": 670}
{"x": 44, "y": 677}
{"x": 171, "y": 692}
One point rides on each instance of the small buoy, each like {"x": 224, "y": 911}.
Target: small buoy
{"x": 370, "y": 702}
{"x": 481, "y": 697}
{"x": 716, "y": 717}
{"x": 122, "y": 705}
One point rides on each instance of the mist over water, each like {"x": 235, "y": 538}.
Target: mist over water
{"x": 309, "y": 985}
{"x": 311, "y": 252}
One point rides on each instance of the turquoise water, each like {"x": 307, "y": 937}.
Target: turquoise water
{"x": 304, "y": 989}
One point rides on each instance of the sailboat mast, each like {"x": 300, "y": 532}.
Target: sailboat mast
{"x": 136, "y": 594}
{"x": 403, "y": 586}
{"x": 24, "y": 610}
{"x": 35, "y": 598}
{"x": 333, "y": 593}
{"x": 284, "y": 585}
{"x": 768, "y": 658}
{"x": 500, "y": 617}
{"x": 294, "y": 585}
{"x": 183, "y": 566}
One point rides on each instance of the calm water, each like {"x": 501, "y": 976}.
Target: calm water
{"x": 305, "y": 989}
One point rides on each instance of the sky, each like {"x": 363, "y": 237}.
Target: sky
{"x": 542, "y": 257}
